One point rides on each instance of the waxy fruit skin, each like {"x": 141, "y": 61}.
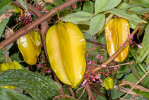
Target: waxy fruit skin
{"x": 117, "y": 32}
{"x": 30, "y": 47}
{"x": 108, "y": 83}
{"x": 7, "y": 66}
{"x": 66, "y": 47}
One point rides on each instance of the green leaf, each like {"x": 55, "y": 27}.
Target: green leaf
{"x": 5, "y": 9}
{"x": 131, "y": 78}
{"x": 133, "y": 24}
{"x": 147, "y": 60}
{"x": 126, "y": 6}
{"x": 116, "y": 94}
{"x": 99, "y": 97}
{"x": 3, "y": 56}
{"x": 139, "y": 10}
{"x": 6, "y": 94}
{"x": 4, "y": 22}
{"x": 3, "y": 25}
{"x": 15, "y": 56}
{"x": 138, "y": 1}
{"x": 123, "y": 6}
{"x": 122, "y": 70}
{"x": 128, "y": 16}
{"x": 4, "y": 3}
{"x": 23, "y": 4}
{"x": 143, "y": 52}
{"x": 103, "y": 5}
{"x": 66, "y": 98}
{"x": 138, "y": 70}
{"x": 97, "y": 23}
{"x": 145, "y": 3}
{"x": 38, "y": 86}
{"x": 57, "y": 2}
{"x": 88, "y": 7}
{"x": 143, "y": 93}
{"x": 78, "y": 16}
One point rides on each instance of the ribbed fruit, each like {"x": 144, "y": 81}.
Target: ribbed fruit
{"x": 66, "y": 48}
{"x": 117, "y": 32}
{"x": 108, "y": 83}
{"x": 30, "y": 47}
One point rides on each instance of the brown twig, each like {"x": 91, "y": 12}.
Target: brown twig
{"x": 81, "y": 94}
{"x": 27, "y": 28}
{"x": 132, "y": 84}
{"x": 71, "y": 91}
{"x": 78, "y": 89}
{"x": 6, "y": 56}
{"x": 129, "y": 63}
{"x": 90, "y": 95}
{"x": 135, "y": 85}
{"x": 134, "y": 72}
{"x": 6, "y": 15}
{"x": 96, "y": 43}
{"x": 125, "y": 90}
{"x": 97, "y": 90}
{"x": 112, "y": 57}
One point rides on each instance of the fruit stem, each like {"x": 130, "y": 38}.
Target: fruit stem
{"x": 57, "y": 15}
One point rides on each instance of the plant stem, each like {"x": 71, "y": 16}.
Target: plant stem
{"x": 27, "y": 28}
{"x": 142, "y": 67}
{"x": 90, "y": 95}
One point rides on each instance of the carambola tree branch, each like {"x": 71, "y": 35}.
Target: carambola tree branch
{"x": 27, "y": 28}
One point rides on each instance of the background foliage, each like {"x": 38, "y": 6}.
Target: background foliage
{"x": 91, "y": 17}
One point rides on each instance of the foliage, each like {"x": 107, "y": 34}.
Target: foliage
{"x": 38, "y": 86}
{"x": 90, "y": 16}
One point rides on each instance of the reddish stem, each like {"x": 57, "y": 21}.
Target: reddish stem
{"x": 71, "y": 91}
{"x": 90, "y": 95}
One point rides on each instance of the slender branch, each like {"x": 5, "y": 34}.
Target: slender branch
{"x": 135, "y": 85}
{"x": 81, "y": 94}
{"x": 141, "y": 88}
{"x": 96, "y": 43}
{"x": 122, "y": 89}
{"x": 27, "y": 28}
{"x": 90, "y": 95}
{"x": 71, "y": 91}
{"x": 125, "y": 90}
{"x": 134, "y": 72}
{"x": 129, "y": 63}
{"x": 112, "y": 57}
